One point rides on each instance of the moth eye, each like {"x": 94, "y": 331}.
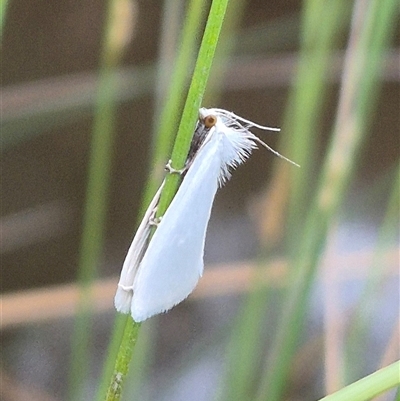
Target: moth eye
{"x": 210, "y": 121}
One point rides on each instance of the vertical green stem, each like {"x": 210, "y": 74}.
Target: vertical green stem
{"x": 181, "y": 148}
{"x": 169, "y": 118}
{"x": 3, "y": 12}
{"x": 96, "y": 198}
{"x": 164, "y": 137}
{"x": 194, "y": 99}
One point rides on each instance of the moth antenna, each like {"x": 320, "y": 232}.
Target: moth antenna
{"x": 257, "y": 139}
{"x": 251, "y": 123}
{"x": 235, "y": 119}
{"x": 263, "y": 127}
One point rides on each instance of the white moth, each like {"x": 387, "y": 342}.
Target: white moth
{"x": 159, "y": 274}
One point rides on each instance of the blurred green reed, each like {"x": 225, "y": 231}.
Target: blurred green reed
{"x": 323, "y": 23}
{"x": 3, "y": 11}
{"x": 97, "y": 189}
{"x": 302, "y": 116}
{"x": 370, "y": 34}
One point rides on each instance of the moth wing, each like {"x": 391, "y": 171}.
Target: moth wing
{"x": 123, "y": 296}
{"x": 173, "y": 262}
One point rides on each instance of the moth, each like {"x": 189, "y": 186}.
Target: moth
{"x": 160, "y": 272}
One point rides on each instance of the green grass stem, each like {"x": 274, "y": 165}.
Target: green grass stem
{"x": 194, "y": 99}
{"x": 3, "y": 12}
{"x": 95, "y": 210}
{"x": 179, "y": 153}
{"x": 370, "y": 386}
{"x": 228, "y": 42}
{"x": 164, "y": 135}
{"x": 169, "y": 118}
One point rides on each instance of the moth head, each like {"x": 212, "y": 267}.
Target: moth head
{"x": 207, "y": 117}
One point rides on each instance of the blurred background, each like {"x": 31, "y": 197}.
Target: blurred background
{"x": 300, "y": 295}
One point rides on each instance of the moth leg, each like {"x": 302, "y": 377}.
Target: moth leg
{"x": 126, "y": 287}
{"x": 172, "y": 170}
{"x": 155, "y": 221}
